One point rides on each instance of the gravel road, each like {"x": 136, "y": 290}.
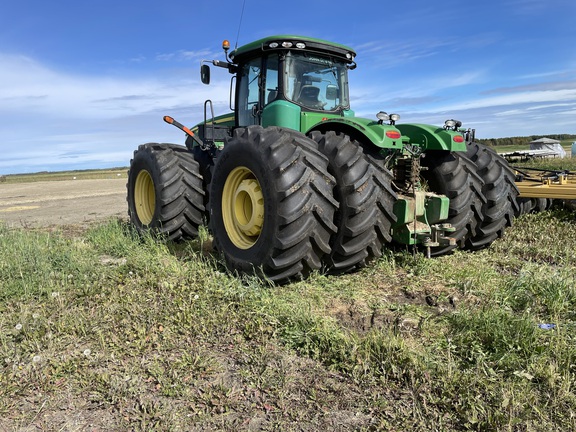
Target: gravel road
{"x": 43, "y": 204}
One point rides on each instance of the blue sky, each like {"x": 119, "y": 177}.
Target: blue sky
{"x": 84, "y": 82}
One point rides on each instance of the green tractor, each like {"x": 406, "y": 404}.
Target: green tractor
{"x": 293, "y": 182}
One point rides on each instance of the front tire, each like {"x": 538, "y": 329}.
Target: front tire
{"x": 164, "y": 191}
{"x": 271, "y": 204}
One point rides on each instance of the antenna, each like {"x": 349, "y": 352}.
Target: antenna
{"x": 240, "y": 24}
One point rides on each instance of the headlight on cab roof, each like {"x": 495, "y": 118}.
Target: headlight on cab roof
{"x": 452, "y": 124}
{"x": 382, "y": 116}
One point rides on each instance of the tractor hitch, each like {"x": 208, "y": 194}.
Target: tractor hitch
{"x": 420, "y": 220}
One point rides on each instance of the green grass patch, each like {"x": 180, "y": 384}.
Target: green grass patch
{"x": 119, "y": 331}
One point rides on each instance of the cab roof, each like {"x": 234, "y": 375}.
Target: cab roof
{"x": 292, "y": 42}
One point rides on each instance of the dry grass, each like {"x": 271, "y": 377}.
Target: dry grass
{"x": 66, "y": 175}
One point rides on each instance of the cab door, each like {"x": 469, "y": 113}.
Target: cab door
{"x": 249, "y": 98}
{"x": 257, "y": 88}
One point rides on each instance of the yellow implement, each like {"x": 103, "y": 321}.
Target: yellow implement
{"x": 535, "y": 183}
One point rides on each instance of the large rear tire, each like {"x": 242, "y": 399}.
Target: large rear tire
{"x": 454, "y": 175}
{"x": 365, "y": 216}
{"x": 271, "y": 204}
{"x": 500, "y": 192}
{"x": 164, "y": 191}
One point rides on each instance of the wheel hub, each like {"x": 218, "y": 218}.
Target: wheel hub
{"x": 144, "y": 197}
{"x": 243, "y": 207}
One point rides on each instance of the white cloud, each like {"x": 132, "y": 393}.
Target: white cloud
{"x": 183, "y": 55}
{"x": 61, "y": 120}
{"x": 58, "y": 118}
{"x": 535, "y": 7}
{"x": 553, "y": 105}
{"x": 411, "y": 93}
{"x": 546, "y": 108}
{"x": 387, "y": 55}
{"x": 27, "y": 86}
{"x": 513, "y": 99}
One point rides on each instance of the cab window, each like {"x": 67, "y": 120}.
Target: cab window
{"x": 315, "y": 82}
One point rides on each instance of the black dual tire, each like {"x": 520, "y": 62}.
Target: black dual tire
{"x": 164, "y": 191}
{"x": 533, "y": 205}
{"x": 205, "y": 159}
{"x": 364, "y": 192}
{"x": 482, "y": 192}
{"x": 500, "y": 192}
{"x": 271, "y": 204}
{"x": 454, "y": 175}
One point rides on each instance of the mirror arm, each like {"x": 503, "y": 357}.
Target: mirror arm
{"x": 205, "y": 68}
{"x": 232, "y": 68}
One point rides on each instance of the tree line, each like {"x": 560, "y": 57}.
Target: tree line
{"x": 521, "y": 141}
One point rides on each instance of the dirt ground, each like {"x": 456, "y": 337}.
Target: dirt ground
{"x": 52, "y": 203}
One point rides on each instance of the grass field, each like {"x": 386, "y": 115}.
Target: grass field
{"x": 111, "y": 331}
{"x": 104, "y": 329}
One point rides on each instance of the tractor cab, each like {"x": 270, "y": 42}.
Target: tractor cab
{"x": 281, "y": 80}
{"x": 285, "y": 84}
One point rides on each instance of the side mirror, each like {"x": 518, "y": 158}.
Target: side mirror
{"x": 331, "y": 92}
{"x": 205, "y": 74}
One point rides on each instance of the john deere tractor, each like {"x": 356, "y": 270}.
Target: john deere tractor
{"x": 292, "y": 181}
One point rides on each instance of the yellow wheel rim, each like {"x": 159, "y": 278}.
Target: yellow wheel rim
{"x": 144, "y": 197}
{"x": 242, "y": 207}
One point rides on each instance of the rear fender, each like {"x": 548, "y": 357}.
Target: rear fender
{"x": 380, "y": 135}
{"x": 429, "y": 137}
